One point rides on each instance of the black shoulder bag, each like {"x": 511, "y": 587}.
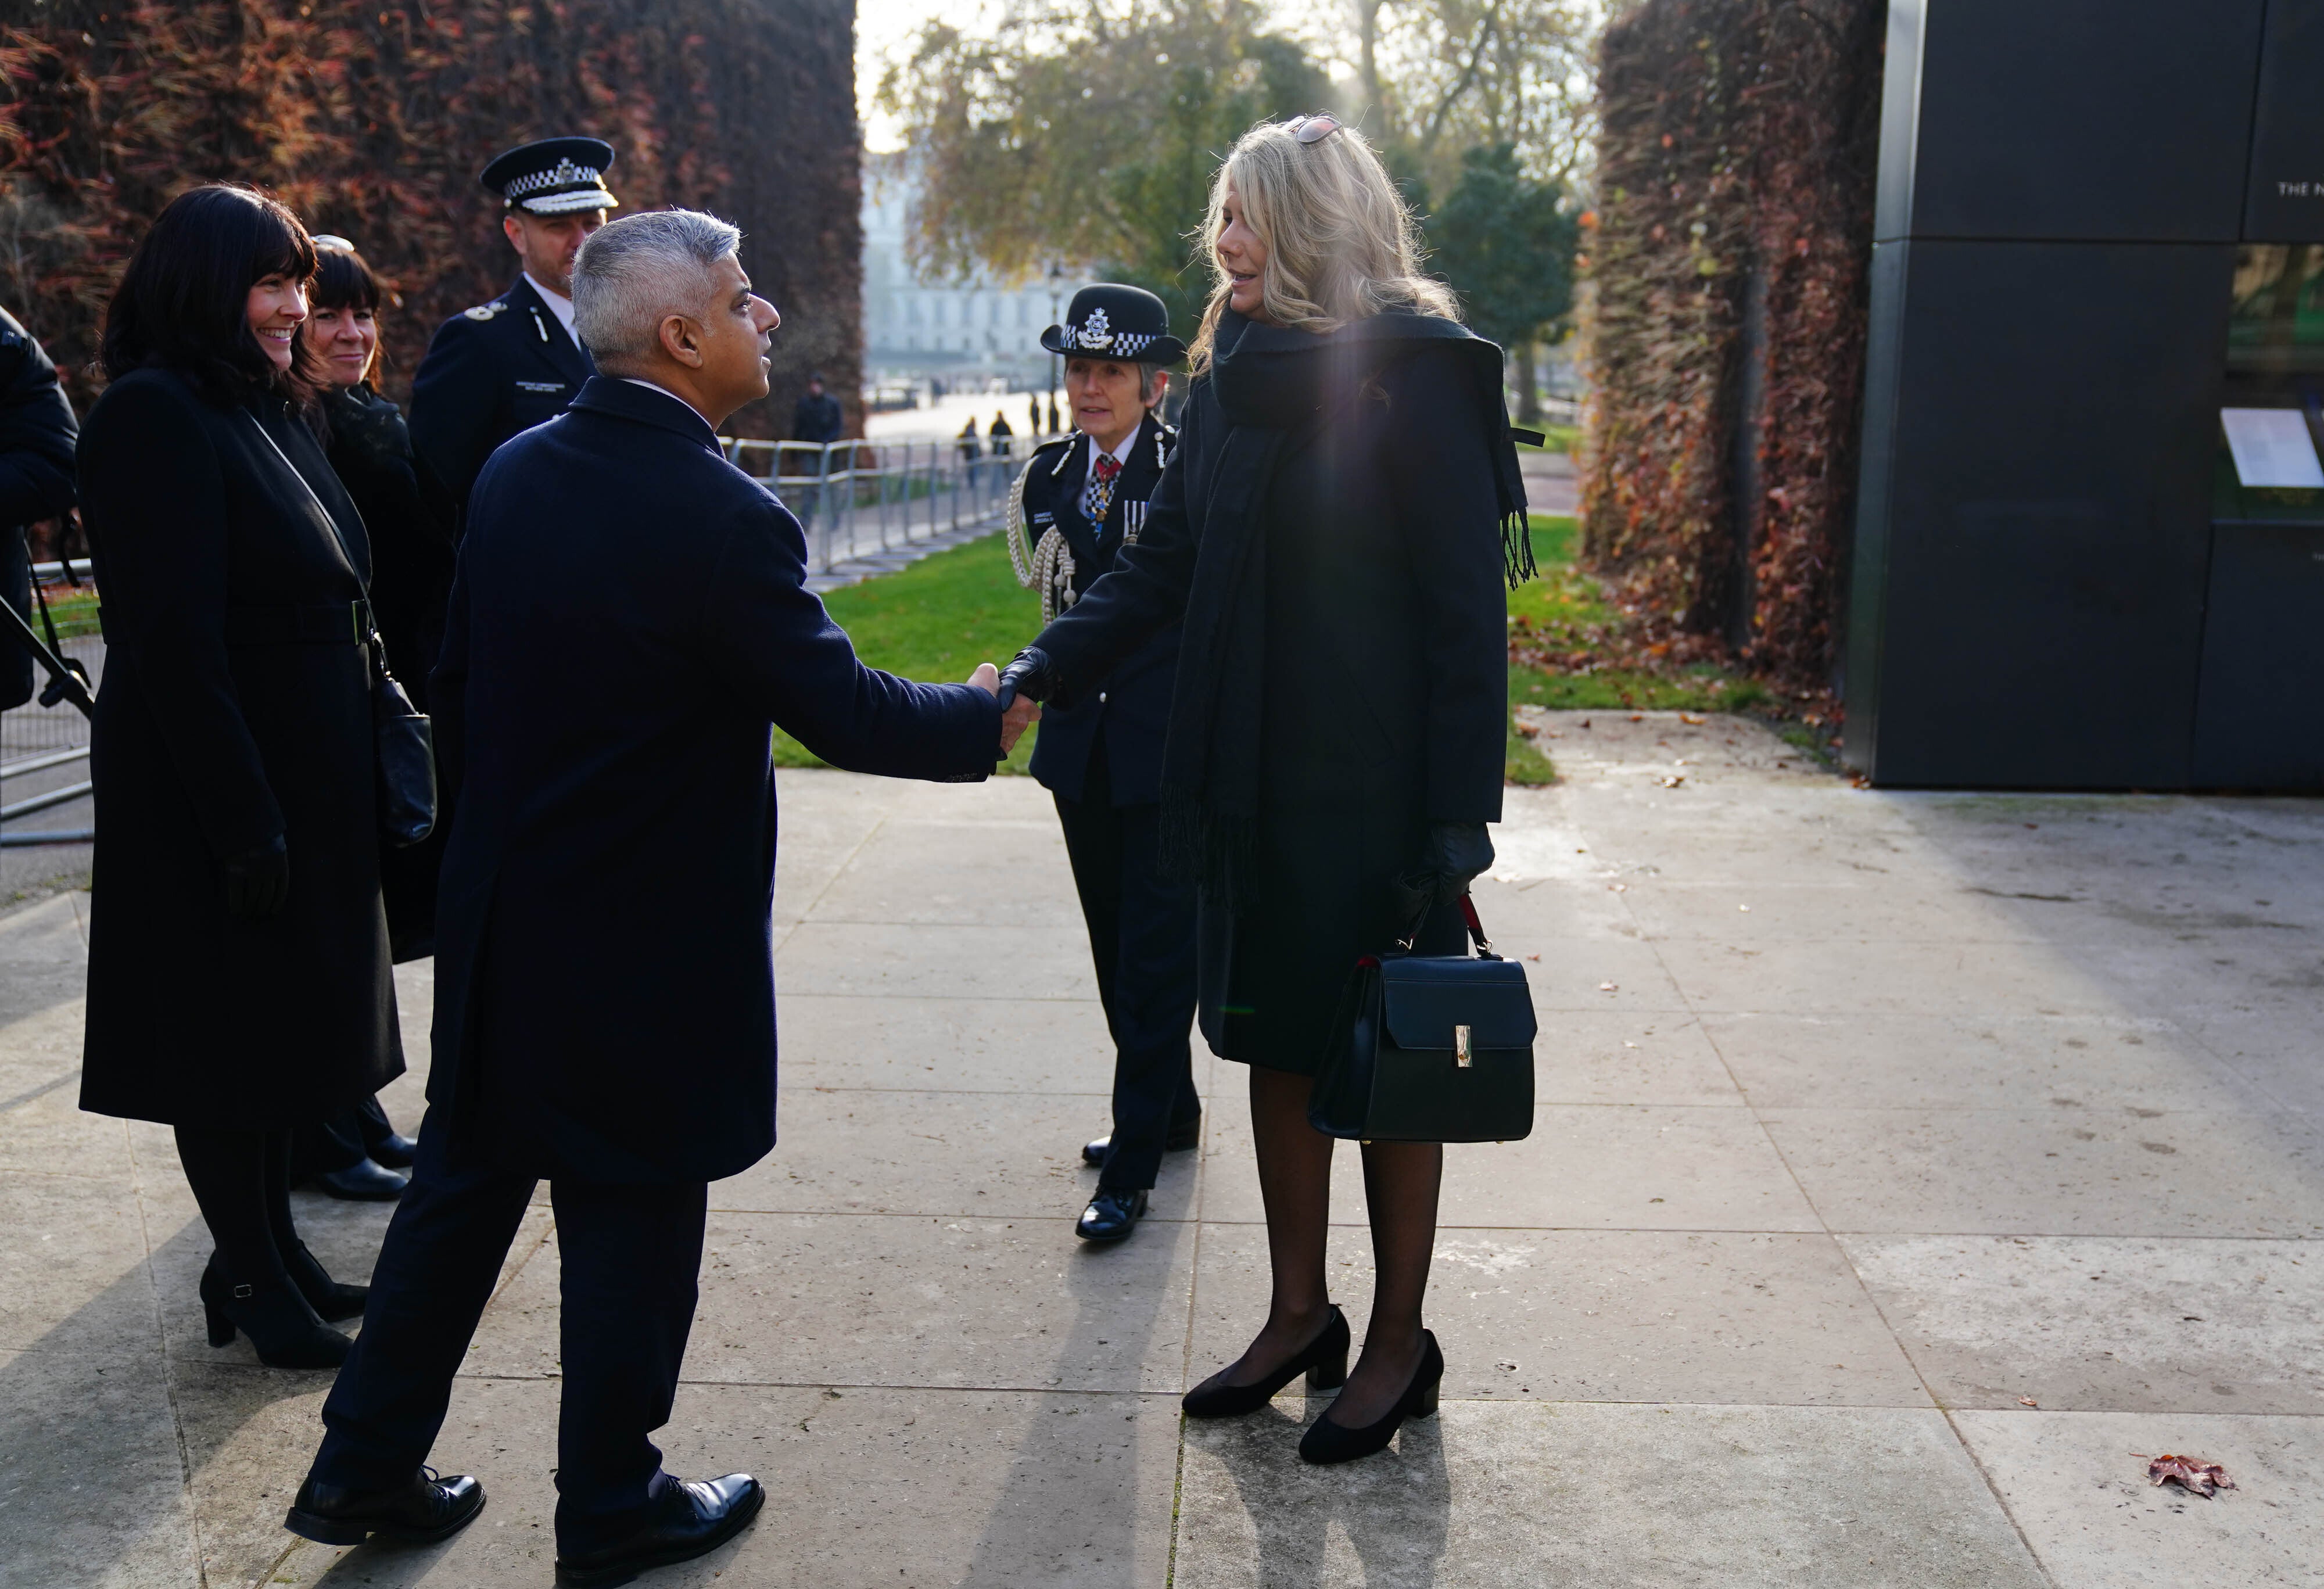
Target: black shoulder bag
{"x": 405, "y": 762}
{"x": 1430, "y": 1048}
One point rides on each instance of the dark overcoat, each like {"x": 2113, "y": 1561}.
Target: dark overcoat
{"x": 1131, "y": 706}
{"x": 37, "y": 435}
{"x": 491, "y": 372}
{"x": 604, "y": 982}
{"x": 236, "y": 709}
{"x": 1385, "y": 689}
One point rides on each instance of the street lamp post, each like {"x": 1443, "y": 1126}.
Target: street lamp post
{"x": 1056, "y": 301}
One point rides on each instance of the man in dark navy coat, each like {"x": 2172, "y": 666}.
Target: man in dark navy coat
{"x": 605, "y": 1010}
{"x": 515, "y": 362}
{"x": 38, "y": 437}
{"x": 1080, "y": 499}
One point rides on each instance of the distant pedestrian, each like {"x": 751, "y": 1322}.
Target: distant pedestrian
{"x": 238, "y": 981}
{"x": 37, "y": 437}
{"x": 1033, "y": 417}
{"x": 1001, "y": 434}
{"x": 1333, "y": 532}
{"x": 514, "y": 361}
{"x": 971, "y": 449}
{"x": 817, "y": 417}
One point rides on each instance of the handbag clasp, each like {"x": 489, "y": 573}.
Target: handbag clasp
{"x": 1462, "y": 1055}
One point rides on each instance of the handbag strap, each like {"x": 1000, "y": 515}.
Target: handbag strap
{"x": 345, "y": 551}
{"x": 1475, "y": 930}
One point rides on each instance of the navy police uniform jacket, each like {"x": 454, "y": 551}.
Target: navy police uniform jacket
{"x": 1131, "y": 705}
{"x": 604, "y": 993}
{"x": 491, "y": 371}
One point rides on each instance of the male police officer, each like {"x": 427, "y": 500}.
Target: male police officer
{"x": 1080, "y": 499}
{"x": 515, "y": 362}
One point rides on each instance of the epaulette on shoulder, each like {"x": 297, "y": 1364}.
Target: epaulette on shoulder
{"x": 1061, "y": 448}
{"x": 486, "y": 311}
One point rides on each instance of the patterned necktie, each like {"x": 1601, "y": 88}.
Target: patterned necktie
{"x": 1097, "y": 496}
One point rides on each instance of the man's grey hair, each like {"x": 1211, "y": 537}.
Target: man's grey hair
{"x": 632, "y": 272}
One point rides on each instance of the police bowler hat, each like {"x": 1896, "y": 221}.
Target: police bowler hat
{"x": 1114, "y": 321}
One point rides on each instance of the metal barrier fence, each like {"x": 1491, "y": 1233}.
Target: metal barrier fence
{"x": 49, "y": 744}
{"x": 860, "y": 499}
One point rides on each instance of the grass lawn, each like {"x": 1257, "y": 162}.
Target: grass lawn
{"x": 941, "y": 617}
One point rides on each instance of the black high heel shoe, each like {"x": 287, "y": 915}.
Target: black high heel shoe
{"x": 1324, "y": 1362}
{"x": 1326, "y": 1441}
{"x": 280, "y": 1323}
{"x": 330, "y": 1300}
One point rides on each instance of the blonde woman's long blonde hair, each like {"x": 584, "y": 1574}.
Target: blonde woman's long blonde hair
{"x": 1342, "y": 243}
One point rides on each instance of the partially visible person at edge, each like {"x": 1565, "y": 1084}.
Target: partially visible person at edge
{"x": 37, "y": 437}
{"x": 238, "y": 984}
{"x": 613, "y": 837}
{"x": 515, "y": 362}
{"x": 1333, "y": 532}
{"x": 817, "y": 416}
{"x": 357, "y": 1153}
{"x": 1080, "y": 502}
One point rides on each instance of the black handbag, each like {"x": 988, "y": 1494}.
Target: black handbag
{"x": 404, "y": 746}
{"x": 1430, "y": 1048}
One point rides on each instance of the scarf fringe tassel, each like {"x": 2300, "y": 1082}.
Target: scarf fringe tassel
{"x": 1516, "y": 547}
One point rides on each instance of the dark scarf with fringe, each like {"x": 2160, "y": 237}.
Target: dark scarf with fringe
{"x": 1277, "y": 390}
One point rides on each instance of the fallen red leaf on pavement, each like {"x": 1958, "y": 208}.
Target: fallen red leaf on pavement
{"x": 2189, "y": 1472}
{"x": 2027, "y": 1401}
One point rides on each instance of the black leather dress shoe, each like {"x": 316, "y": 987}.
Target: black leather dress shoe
{"x": 1110, "y": 1216}
{"x": 394, "y": 1151}
{"x": 1181, "y": 1138}
{"x": 421, "y": 1512}
{"x": 695, "y": 1517}
{"x": 364, "y": 1181}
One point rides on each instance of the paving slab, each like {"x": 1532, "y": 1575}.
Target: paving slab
{"x": 2077, "y": 1485}
{"x": 1981, "y": 1098}
{"x": 1513, "y": 1496}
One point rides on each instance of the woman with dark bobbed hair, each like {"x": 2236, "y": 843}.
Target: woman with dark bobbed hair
{"x": 1334, "y": 532}
{"x": 238, "y": 978}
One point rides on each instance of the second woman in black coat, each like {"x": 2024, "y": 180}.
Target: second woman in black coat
{"x": 238, "y": 979}
{"x": 1331, "y": 531}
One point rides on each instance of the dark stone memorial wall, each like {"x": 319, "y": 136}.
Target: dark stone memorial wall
{"x": 2050, "y": 584}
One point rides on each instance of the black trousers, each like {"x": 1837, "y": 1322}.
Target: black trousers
{"x": 1141, "y": 929}
{"x": 630, "y": 1256}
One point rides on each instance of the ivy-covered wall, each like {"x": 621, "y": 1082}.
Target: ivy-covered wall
{"x": 372, "y": 118}
{"x": 1728, "y": 263}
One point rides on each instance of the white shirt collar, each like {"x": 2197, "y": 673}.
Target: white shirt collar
{"x": 1122, "y": 455}
{"x": 674, "y": 397}
{"x": 558, "y": 305}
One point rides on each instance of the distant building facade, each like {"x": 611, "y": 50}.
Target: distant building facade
{"x": 955, "y": 332}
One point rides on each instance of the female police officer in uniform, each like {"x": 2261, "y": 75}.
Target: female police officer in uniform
{"x": 1080, "y": 499}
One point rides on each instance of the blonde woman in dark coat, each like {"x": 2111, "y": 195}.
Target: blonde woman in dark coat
{"x": 1334, "y": 532}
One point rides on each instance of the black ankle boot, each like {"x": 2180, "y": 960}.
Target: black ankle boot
{"x": 330, "y": 1300}
{"x": 281, "y": 1325}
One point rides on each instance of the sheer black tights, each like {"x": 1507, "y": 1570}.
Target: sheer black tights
{"x": 241, "y": 1176}
{"x": 1401, "y": 1181}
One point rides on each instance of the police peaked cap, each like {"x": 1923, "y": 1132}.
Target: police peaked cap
{"x": 1114, "y": 321}
{"x": 556, "y": 176}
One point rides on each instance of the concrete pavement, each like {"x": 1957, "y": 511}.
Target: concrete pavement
{"x": 1866, "y": 1119}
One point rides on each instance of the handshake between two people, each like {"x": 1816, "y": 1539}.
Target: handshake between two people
{"x": 1017, "y": 712}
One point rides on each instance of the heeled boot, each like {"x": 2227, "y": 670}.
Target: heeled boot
{"x": 282, "y": 1326}
{"x": 330, "y": 1300}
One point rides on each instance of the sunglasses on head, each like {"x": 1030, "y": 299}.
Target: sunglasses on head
{"x": 325, "y": 241}
{"x": 1314, "y": 129}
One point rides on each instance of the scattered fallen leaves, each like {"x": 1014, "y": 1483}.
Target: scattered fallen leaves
{"x": 1671, "y": 780}
{"x": 2027, "y": 1401}
{"x": 2190, "y": 1474}
{"x": 1533, "y": 956}
{"x": 1694, "y": 718}
{"x": 1638, "y": 716}
{"x": 1608, "y": 987}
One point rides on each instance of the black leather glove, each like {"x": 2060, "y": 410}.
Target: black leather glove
{"x": 257, "y": 882}
{"x": 1027, "y": 674}
{"x": 1458, "y": 854}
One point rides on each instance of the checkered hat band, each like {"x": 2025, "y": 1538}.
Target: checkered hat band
{"x": 563, "y": 174}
